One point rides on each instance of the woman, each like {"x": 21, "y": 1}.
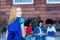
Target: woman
{"x": 16, "y": 12}
{"x": 39, "y": 31}
{"x": 51, "y": 31}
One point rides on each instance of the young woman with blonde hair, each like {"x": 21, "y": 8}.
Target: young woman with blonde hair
{"x": 16, "y": 12}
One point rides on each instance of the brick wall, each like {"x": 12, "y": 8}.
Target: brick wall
{"x": 4, "y": 9}
{"x": 39, "y": 8}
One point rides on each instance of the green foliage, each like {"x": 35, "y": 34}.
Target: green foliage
{"x": 34, "y": 21}
{"x": 3, "y": 24}
{"x": 4, "y": 29}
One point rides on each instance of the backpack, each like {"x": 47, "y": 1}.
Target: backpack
{"x": 14, "y": 31}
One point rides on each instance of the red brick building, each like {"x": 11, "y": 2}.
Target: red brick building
{"x": 39, "y": 8}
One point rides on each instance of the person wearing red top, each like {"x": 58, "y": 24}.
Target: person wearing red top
{"x": 28, "y": 30}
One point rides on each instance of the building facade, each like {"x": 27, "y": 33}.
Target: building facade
{"x": 38, "y": 8}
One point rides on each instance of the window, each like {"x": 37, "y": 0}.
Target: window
{"x": 53, "y": 1}
{"x": 22, "y": 2}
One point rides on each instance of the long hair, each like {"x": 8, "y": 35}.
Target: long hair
{"x": 12, "y": 16}
{"x": 41, "y": 21}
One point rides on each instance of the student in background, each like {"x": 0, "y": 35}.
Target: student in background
{"x": 51, "y": 30}
{"x": 28, "y": 30}
{"x": 16, "y": 12}
{"x": 39, "y": 31}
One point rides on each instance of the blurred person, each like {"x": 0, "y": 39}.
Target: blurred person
{"x": 14, "y": 20}
{"x": 51, "y": 30}
{"x": 28, "y": 30}
{"x": 40, "y": 31}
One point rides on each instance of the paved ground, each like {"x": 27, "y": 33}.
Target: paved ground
{"x": 57, "y": 37}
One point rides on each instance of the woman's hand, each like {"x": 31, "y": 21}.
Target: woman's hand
{"x": 42, "y": 34}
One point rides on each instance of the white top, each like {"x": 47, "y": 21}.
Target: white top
{"x": 50, "y": 37}
{"x": 51, "y": 29}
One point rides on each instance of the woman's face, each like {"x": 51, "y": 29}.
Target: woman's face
{"x": 18, "y": 12}
{"x": 40, "y": 24}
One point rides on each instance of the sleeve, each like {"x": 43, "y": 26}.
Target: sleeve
{"x": 36, "y": 30}
{"x": 21, "y": 20}
{"x": 54, "y": 29}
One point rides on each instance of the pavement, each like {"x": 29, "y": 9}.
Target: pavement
{"x": 33, "y": 38}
